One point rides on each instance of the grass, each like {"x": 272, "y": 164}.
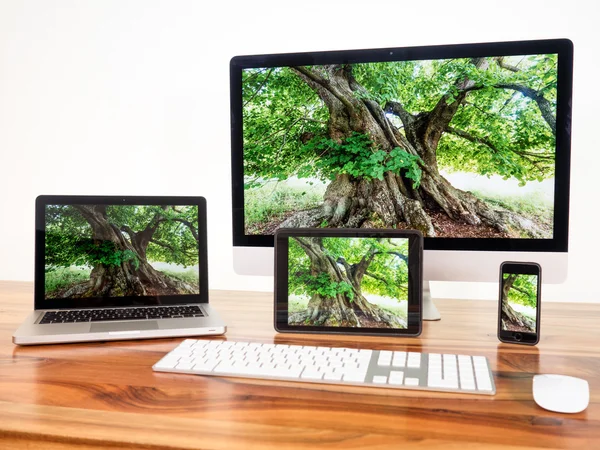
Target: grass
{"x": 525, "y": 310}
{"x": 189, "y": 276}
{"x": 297, "y": 303}
{"x": 398, "y": 309}
{"x": 532, "y": 206}
{"x": 62, "y": 278}
{"x": 273, "y": 201}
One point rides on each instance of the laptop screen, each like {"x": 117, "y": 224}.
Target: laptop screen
{"x": 127, "y": 251}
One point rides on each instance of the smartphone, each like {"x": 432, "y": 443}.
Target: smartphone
{"x": 519, "y": 302}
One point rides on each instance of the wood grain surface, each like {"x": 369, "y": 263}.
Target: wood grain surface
{"x": 105, "y": 395}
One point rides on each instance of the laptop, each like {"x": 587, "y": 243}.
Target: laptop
{"x": 113, "y": 268}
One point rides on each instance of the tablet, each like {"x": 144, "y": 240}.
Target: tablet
{"x": 348, "y": 281}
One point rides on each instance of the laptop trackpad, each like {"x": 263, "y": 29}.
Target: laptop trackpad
{"x": 124, "y": 326}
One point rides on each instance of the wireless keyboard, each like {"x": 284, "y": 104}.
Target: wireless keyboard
{"x": 377, "y": 368}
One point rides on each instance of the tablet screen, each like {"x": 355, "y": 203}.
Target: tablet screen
{"x": 352, "y": 282}
{"x": 348, "y": 282}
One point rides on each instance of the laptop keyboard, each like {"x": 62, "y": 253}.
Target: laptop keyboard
{"x": 138, "y": 313}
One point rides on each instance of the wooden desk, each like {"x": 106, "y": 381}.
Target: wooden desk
{"x": 92, "y": 396}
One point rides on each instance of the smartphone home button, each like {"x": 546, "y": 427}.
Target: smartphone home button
{"x": 518, "y": 337}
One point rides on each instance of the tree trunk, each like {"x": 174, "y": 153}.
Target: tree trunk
{"x": 341, "y": 310}
{"x": 132, "y": 276}
{"x": 392, "y": 201}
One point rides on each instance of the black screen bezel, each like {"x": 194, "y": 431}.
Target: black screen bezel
{"x": 525, "y": 268}
{"x": 94, "y": 302}
{"x": 562, "y": 47}
{"x": 415, "y": 274}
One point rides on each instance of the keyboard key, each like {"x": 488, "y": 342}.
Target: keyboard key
{"x": 355, "y": 377}
{"x": 332, "y": 376}
{"x": 443, "y": 384}
{"x": 184, "y": 366}
{"x": 465, "y": 384}
{"x": 399, "y": 359}
{"x": 166, "y": 364}
{"x": 396, "y": 377}
{"x": 411, "y": 381}
{"x": 414, "y": 360}
{"x": 312, "y": 374}
{"x": 385, "y": 358}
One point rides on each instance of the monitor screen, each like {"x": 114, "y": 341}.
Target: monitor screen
{"x": 468, "y": 144}
{"x": 374, "y": 298}
{"x": 117, "y": 251}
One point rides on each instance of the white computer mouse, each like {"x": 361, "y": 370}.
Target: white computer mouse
{"x": 561, "y": 393}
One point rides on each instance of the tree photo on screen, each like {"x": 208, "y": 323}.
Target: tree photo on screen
{"x": 390, "y": 144}
{"x": 348, "y": 282}
{"x": 519, "y": 302}
{"x": 121, "y": 250}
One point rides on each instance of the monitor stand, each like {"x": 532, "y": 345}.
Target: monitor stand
{"x": 430, "y": 312}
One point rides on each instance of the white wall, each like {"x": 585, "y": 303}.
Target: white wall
{"x": 132, "y": 97}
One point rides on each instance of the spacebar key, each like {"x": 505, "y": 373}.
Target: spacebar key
{"x": 107, "y": 319}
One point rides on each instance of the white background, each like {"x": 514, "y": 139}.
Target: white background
{"x": 131, "y": 97}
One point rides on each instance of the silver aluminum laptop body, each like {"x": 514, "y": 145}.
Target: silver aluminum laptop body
{"x": 120, "y": 268}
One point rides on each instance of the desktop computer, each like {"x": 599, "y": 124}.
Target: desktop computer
{"x": 469, "y": 144}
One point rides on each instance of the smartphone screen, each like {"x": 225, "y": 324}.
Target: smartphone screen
{"x": 519, "y": 309}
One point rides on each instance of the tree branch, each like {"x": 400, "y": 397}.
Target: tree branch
{"x": 259, "y": 88}
{"x": 488, "y": 143}
{"x": 383, "y": 280}
{"x": 129, "y": 231}
{"x": 377, "y": 277}
{"x": 544, "y": 105}
{"x": 522, "y": 291}
{"x": 325, "y": 84}
{"x": 153, "y": 224}
{"x": 362, "y": 266}
{"x": 390, "y": 252}
{"x": 190, "y": 225}
{"x": 171, "y": 248}
{"x": 442, "y": 113}
{"x": 309, "y": 245}
{"x": 473, "y": 139}
{"x": 398, "y": 110}
{"x": 500, "y": 61}
{"x": 347, "y": 266}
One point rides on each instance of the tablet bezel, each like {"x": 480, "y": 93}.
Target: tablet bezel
{"x": 415, "y": 284}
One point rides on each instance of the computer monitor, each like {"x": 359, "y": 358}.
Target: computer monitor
{"x": 470, "y": 144}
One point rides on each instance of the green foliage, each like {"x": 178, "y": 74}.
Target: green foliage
{"x": 63, "y": 278}
{"x": 270, "y": 202}
{"x": 523, "y": 290}
{"x": 358, "y": 157}
{"x": 323, "y": 285}
{"x": 106, "y": 253}
{"x": 71, "y": 241}
{"x": 189, "y": 276}
{"x": 387, "y": 273}
{"x": 510, "y": 136}
{"x": 278, "y": 109}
